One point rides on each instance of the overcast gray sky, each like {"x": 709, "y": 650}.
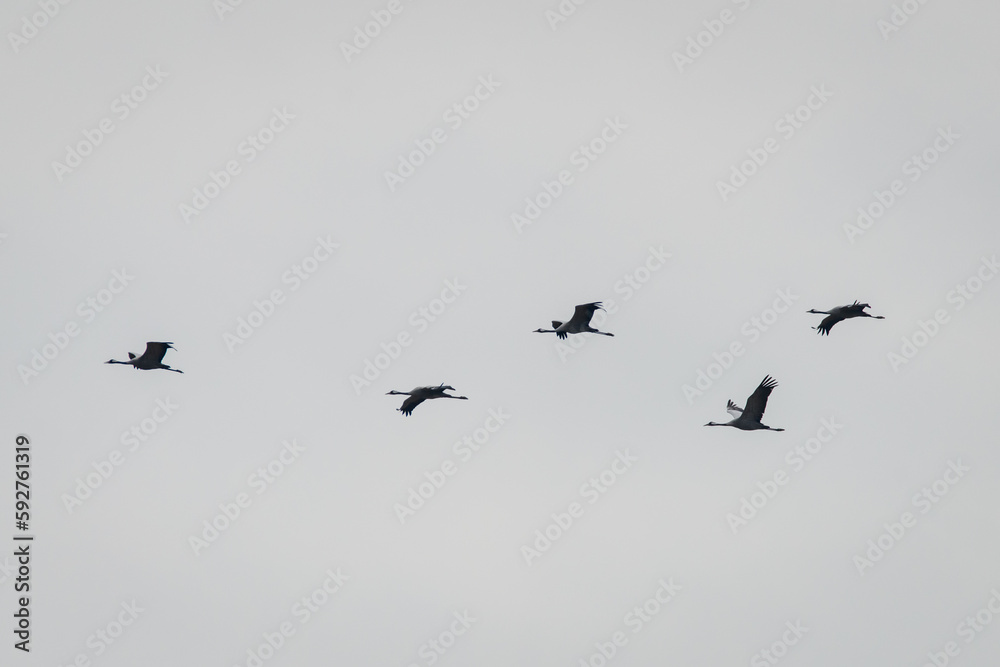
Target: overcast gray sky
{"x": 315, "y": 215}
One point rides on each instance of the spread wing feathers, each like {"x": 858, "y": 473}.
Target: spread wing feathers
{"x": 734, "y": 409}
{"x": 584, "y": 312}
{"x": 758, "y": 399}
{"x": 824, "y": 327}
{"x": 155, "y": 351}
{"x": 410, "y": 403}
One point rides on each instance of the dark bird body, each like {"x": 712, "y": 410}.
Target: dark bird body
{"x": 748, "y": 418}
{"x": 579, "y": 323}
{"x": 151, "y": 359}
{"x": 421, "y": 394}
{"x": 839, "y": 313}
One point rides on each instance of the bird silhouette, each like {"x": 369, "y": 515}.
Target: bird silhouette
{"x": 151, "y": 359}
{"x": 579, "y": 323}
{"x": 421, "y": 394}
{"x": 839, "y": 313}
{"x": 748, "y": 418}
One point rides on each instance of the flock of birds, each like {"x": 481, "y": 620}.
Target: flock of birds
{"x": 746, "y": 418}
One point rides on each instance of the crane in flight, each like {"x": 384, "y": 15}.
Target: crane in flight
{"x": 152, "y": 358}
{"x": 748, "y": 418}
{"x": 839, "y": 313}
{"x": 421, "y": 394}
{"x": 579, "y": 323}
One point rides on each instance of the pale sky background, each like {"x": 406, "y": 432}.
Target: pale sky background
{"x": 655, "y": 186}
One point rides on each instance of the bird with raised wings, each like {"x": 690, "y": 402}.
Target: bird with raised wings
{"x": 579, "y": 323}
{"x": 421, "y": 394}
{"x": 839, "y": 313}
{"x": 151, "y": 359}
{"x": 748, "y": 418}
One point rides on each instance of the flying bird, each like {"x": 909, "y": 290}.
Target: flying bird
{"x": 421, "y": 394}
{"x": 839, "y": 313}
{"x": 748, "y": 418}
{"x": 150, "y": 359}
{"x": 579, "y": 323}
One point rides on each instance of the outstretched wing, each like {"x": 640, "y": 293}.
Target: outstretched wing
{"x": 734, "y": 409}
{"x": 410, "y": 403}
{"x": 758, "y": 399}
{"x": 824, "y": 327}
{"x": 155, "y": 351}
{"x": 584, "y": 312}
